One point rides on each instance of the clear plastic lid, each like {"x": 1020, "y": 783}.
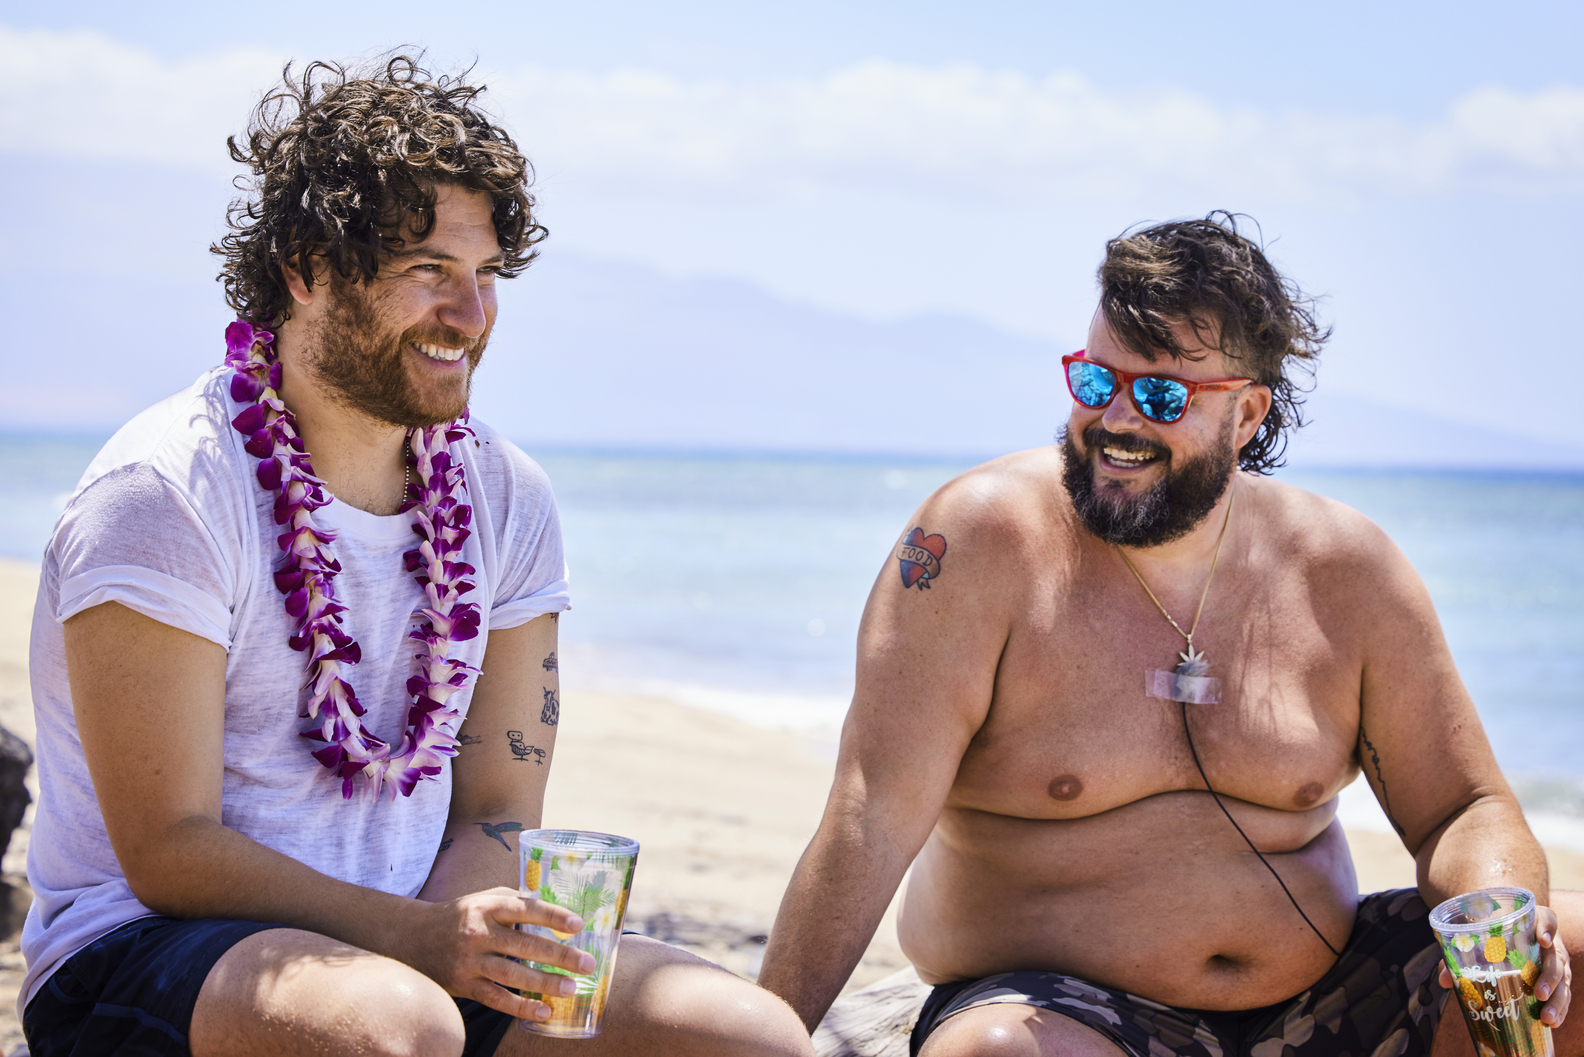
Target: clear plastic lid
{"x": 1489, "y": 910}
{"x": 579, "y": 841}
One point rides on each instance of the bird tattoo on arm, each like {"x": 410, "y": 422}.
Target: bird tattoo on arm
{"x": 497, "y": 828}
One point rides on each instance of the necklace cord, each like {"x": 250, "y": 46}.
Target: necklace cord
{"x": 1215, "y": 560}
{"x": 1217, "y": 798}
{"x": 407, "y": 461}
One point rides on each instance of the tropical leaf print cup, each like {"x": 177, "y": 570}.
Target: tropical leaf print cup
{"x": 1489, "y": 941}
{"x": 591, "y": 875}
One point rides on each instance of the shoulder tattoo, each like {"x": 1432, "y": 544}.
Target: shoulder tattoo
{"x": 919, "y": 558}
{"x": 551, "y": 713}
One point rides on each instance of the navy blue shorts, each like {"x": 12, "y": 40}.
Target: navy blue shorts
{"x": 132, "y": 991}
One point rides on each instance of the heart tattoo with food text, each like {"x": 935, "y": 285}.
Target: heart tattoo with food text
{"x": 920, "y": 558}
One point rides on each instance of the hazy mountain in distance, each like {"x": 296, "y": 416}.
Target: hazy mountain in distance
{"x": 1345, "y": 430}
{"x": 592, "y": 353}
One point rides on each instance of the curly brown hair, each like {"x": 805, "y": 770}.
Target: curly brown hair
{"x": 1209, "y": 275}
{"x": 346, "y": 162}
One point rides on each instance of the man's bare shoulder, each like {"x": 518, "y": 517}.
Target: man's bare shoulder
{"x": 1336, "y": 545}
{"x": 1007, "y": 498}
{"x": 973, "y": 541}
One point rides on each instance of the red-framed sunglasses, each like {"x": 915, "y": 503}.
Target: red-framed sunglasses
{"x": 1158, "y": 397}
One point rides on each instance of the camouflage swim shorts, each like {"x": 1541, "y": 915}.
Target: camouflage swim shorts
{"x": 1382, "y": 998}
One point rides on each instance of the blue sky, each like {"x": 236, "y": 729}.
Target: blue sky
{"x": 1406, "y": 59}
{"x": 1421, "y": 166}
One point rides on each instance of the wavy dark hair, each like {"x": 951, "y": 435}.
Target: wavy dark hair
{"x": 1208, "y": 274}
{"x": 346, "y": 162}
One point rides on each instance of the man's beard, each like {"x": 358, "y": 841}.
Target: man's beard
{"x": 364, "y": 366}
{"x": 1168, "y": 510}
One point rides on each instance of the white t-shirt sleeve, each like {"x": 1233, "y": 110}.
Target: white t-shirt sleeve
{"x": 533, "y": 576}
{"x": 132, "y": 537}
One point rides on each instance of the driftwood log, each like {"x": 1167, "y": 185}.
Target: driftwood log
{"x": 15, "y": 759}
{"x": 874, "y": 1022}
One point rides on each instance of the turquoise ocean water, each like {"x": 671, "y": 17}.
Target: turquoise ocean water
{"x": 736, "y": 582}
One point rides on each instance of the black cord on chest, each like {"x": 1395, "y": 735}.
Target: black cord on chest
{"x": 1256, "y": 851}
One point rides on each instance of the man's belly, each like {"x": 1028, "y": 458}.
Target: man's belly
{"x": 1161, "y": 898}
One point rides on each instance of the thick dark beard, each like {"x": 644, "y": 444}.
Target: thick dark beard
{"x": 357, "y": 359}
{"x": 1171, "y": 508}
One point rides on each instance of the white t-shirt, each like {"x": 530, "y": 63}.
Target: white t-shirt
{"x": 169, "y": 520}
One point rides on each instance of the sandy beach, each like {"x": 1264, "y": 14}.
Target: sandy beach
{"x": 723, "y": 810}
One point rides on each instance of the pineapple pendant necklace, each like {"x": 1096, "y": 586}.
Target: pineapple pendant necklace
{"x": 1190, "y": 680}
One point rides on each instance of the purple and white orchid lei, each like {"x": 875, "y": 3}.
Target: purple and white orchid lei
{"x": 441, "y": 519}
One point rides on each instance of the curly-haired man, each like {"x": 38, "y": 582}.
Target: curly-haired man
{"x": 1110, "y": 735}
{"x": 294, "y": 631}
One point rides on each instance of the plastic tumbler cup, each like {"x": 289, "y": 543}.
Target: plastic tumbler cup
{"x": 1489, "y": 941}
{"x": 591, "y": 875}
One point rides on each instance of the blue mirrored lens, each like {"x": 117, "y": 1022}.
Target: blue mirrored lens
{"x": 1160, "y": 398}
{"x": 1092, "y": 385}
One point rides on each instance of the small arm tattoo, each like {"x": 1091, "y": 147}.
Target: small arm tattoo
{"x": 445, "y": 844}
{"x": 1380, "y": 779}
{"x": 495, "y": 829}
{"x": 551, "y": 714}
{"x": 522, "y": 750}
{"x": 550, "y": 663}
{"x": 919, "y": 558}
{"x": 469, "y": 739}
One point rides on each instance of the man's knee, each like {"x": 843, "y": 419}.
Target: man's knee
{"x": 673, "y": 1002}
{"x": 754, "y": 1021}
{"x": 285, "y": 992}
{"x": 1012, "y": 1030}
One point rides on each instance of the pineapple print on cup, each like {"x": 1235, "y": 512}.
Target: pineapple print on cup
{"x": 560, "y": 1007}
{"x": 601, "y": 993}
{"x": 1496, "y": 947}
{"x": 1470, "y": 993}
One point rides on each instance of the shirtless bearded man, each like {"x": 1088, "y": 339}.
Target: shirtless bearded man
{"x": 232, "y": 856}
{"x": 1022, "y": 731}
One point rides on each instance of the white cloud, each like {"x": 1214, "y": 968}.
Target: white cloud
{"x": 1542, "y": 133}
{"x": 876, "y": 127}
{"x": 880, "y": 125}
{"x": 85, "y": 95}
